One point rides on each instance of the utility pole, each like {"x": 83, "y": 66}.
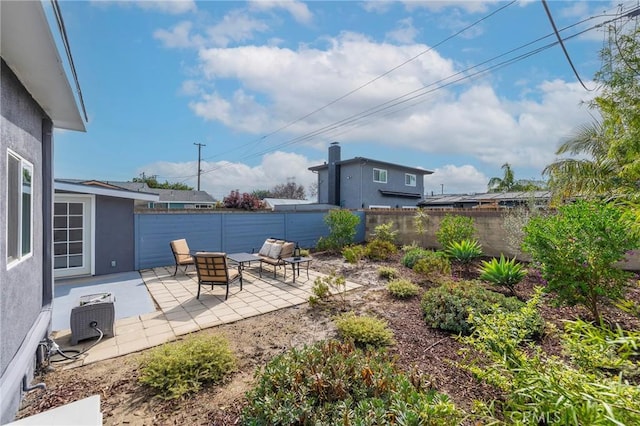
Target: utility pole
{"x": 200, "y": 145}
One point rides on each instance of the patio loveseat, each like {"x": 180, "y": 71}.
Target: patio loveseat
{"x": 273, "y": 251}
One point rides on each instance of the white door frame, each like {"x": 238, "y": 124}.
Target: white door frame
{"x": 88, "y": 238}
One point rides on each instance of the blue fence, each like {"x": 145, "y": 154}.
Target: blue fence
{"x": 227, "y": 232}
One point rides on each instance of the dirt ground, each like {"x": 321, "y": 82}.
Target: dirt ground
{"x": 256, "y": 340}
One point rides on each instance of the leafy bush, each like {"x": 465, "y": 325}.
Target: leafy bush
{"x": 353, "y": 254}
{"x": 326, "y": 288}
{"x": 433, "y": 265}
{"x": 403, "y": 289}
{"x": 342, "y": 229}
{"x": 577, "y": 250}
{"x": 455, "y": 228}
{"x": 447, "y": 306}
{"x": 380, "y": 250}
{"x": 464, "y": 251}
{"x": 387, "y": 272}
{"x": 545, "y": 390}
{"x": 178, "y": 368}
{"x": 412, "y": 254}
{"x": 503, "y": 272}
{"x": 363, "y": 330}
{"x": 611, "y": 351}
{"x": 386, "y": 233}
{"x": 333, "y": 383}
{"x": 244, "y": 201}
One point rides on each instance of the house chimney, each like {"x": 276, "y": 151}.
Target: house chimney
{"x": 334, "y": 174}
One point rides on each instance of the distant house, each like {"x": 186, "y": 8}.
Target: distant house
{"x": 93, "y": 227}
{"x": 171, "y": 198}
{"x": 284, "y": 203}
{"x": 487, "y": 200}
{"x": 35, "y": 98}
{"x": 367, "y": 183}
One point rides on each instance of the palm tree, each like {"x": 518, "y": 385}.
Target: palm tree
{"x": 503, "y": 184}
{"x": 508, "y": 182}
{"x": 594, "y": 174}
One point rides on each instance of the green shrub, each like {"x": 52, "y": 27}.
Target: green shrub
{"x": 327, "y": 289}
{"x": 342, "y": 230}
{"x": 578, "y": 249}
{"x": 353, "y": 254}
{"x": 503, "y": 272}
{"x": 464, "y": 251}
{"x": 380, "y": 250}
{"x": 363, "y": 330}
{"x": 610, "y": 351}
{"x": 333, "y": 383}
{"x": 455, "y": 228}
{"x": 386, "y": 233}
{"x": 403, "y": 289}
{"x": 388, "y": 272}
{"x": 433, "y": 264}
{"x": 447, "y": 306}
{"x": 541, "y": 389}
{"x": 178, "y": 368}
{"x": 413, "y": 254}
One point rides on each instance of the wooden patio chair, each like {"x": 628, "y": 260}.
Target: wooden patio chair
{"x": 181, "y": 254}
{"x": 212, "y": 270}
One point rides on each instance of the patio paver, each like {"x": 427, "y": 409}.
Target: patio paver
{"x": 181, "y": 313}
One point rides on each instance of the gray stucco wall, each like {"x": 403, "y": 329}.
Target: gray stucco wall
{"x": 358, "y": 190}
{"x": 114, "y": 238}
{"x": 323, "y": 186}
{"x": 23, "y": 312}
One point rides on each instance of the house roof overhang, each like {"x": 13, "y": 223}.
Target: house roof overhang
{"x": 106, "y": 190}
{"x": 28, "y": 48}
{"x": 400, "y": 194}
{"x": 364, "y": 160}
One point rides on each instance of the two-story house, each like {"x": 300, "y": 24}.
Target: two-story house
{"x": 367, "y": 183}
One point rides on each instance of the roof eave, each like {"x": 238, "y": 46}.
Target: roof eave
{"x": 28, "y": 48}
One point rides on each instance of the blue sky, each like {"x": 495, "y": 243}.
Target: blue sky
{"x": 268, "y": 85}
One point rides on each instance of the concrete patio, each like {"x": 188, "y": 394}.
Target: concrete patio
{"x": 179, "y": 312}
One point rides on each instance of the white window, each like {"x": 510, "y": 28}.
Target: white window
{"x": 409, "y": 179}
{"x": 19, "y": 208}
{"x": 380, "y": 175}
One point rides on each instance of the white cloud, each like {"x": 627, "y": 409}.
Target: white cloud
{"x": 405, "y": 33}
{"x": 174, "y": 7}
{"x": 298, "y": 10}
{"x": 473, "y": 6}
{"x": 219, "y": 178}
{"x": 377, "y": 6}
{"x": 293, "y": 82}
{"x": 280, "y": 85}
{"x": 235, "y": 27}
{"x": 179, "y": 36}
{"x": 452, "y": 179}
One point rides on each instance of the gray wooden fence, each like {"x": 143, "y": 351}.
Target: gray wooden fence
{"x": 228, "y": 232}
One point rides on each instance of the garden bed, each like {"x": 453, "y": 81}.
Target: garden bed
{"x": 256, "y": 340}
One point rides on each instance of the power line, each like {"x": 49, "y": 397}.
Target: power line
{"x": 564, "y": 49}
{"x": 338, "y": 99}
{"x": 384, "y": 107}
